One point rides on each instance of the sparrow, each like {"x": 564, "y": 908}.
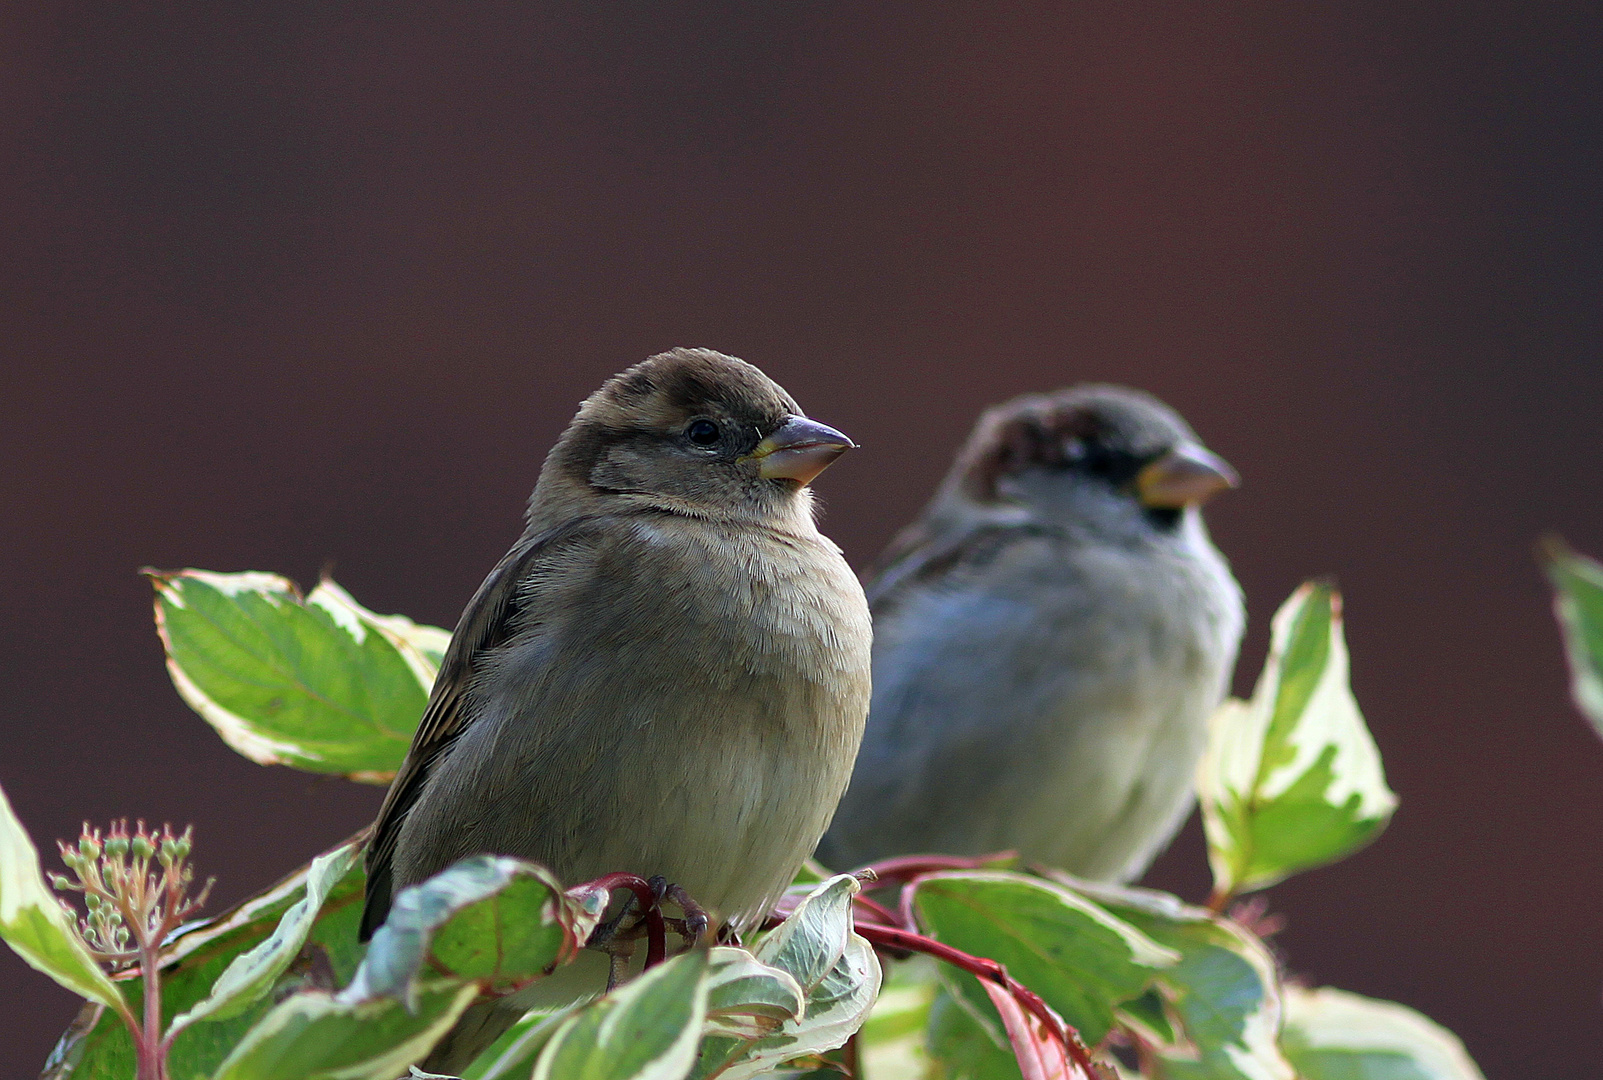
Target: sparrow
{"x": 667, "y": 674}
{"x": 1050, "y": 637}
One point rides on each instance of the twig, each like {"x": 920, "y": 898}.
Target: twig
{"x": 991, "y": 971}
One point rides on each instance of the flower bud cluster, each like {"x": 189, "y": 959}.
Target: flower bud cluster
{"x": 135, "y": 888}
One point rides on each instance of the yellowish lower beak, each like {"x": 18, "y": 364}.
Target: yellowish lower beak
{"x": 1188, "y": 475}
{"x": 800, "y": 449}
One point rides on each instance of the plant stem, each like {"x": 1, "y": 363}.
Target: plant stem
{"x": 152, "y": 1051}
{"x": 990, "y": 971}
{"x": 650, "y": 900}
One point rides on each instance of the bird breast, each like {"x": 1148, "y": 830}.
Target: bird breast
{"x": 1081, "y": 673}
{"x": 685, "y": 700}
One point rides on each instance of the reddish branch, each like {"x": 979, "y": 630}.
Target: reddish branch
{"x": 886, "y": 929}
{"x": 980, "y": 967}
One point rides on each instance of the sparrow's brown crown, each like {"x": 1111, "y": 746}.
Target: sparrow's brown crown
{"x": 690, "y": 431}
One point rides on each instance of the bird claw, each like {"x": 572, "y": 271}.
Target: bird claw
{"x": 694, "y": 925}
{"x": 646, "y": 896}
{"x": 604, "y": 933}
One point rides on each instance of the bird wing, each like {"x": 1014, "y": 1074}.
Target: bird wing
{"x": 490, "y": 618}
{"x": 921, "y": 555}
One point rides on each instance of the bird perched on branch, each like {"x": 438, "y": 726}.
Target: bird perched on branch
{"x": 1050, "y": 636}
{"x": 666, "y": 676}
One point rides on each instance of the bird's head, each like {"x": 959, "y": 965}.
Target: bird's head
{"x": 696, "y": 432}
{"x": 1101, "y": 455}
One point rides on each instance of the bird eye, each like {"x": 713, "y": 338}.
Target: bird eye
{"x": 702, "y": 432}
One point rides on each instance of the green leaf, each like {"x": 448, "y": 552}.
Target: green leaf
{"x": 808, "y": 943}
{"x": 1040, "y": 1053}
{"x": 1220, "y": 1006}
{"x": 497, "y": 921}
{"x": 37, "y": 927}
{"x": 319, "y": 683}
{"x": 834, "y": 967}
{"x": 1292, "y": 780}
{"x": 254, "y": 972}
{"x": 1333, "y": 1035}
{"x": 513, "y": 1055}
{"x": 1578, "y": 603}
{"x": 1080, "y": 959}
{"x": 747, "y": 998}
{"x": 968, "y": 1045}
{"x": 321, "y": 1036}
{"x": 646, "y": 1030}
{"x": 836, "y": 1009}
{"x": 812, "y": 872}
{"x": 201, "y": 951}
{"x": 893, "y": 1039}
{"x": 487, "y": 923}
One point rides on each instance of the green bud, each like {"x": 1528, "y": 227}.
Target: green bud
{"x": 116, "y": 846}
{"x": 60, "y": 881}
{"x": 142, "y": 847}
{"x": 88, "y": 848}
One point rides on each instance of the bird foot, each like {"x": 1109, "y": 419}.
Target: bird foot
{"x": 620, "y": 950}
{"x": 617, "y": 936}
{"x": 694, "y": 924}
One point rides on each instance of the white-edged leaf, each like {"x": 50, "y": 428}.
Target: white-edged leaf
{"x": 834, "y": 967}
{"x": 808, "y": 943}
{"x": 1292, "y": 779}
{"x": 747, "y": 998}
{"x": 1220, "y": 1006}
{"x": 320, "y": 1036}
{"x": 1334, "y": 1035}
{"x": 1578, "y": 604}
{"x": 498, "y": 921}
{"x": 318, "y": 683}
{"x": 1082, "y": 960}
{"x": 420, "y": 645}
{"x": 513, "y": 1055}
{"x": 252, "y": 973}
{"x": 837, "y": 1006}
{"x": 645, "y": 1030}
{"x": 34, "y": 924}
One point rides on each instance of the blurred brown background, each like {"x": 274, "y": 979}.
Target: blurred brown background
{"x": 288, "y": 282}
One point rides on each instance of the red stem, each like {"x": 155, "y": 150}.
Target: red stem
{"x": 152, "y": 1048}
{"x": 650, "y": 906}
{"x": 989, "y": 970}
{"x": 909, "y": 866}
{"x": 878, "y": 911}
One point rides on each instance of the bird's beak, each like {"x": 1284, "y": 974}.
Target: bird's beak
{"x": 1188, "y": 475}
{"x": 800, "y": 449}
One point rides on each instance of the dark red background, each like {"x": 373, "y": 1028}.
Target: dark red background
{"x": 290, "y": 282}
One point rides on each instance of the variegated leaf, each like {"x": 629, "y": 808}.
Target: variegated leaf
{"x": 1292, "y": 779}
